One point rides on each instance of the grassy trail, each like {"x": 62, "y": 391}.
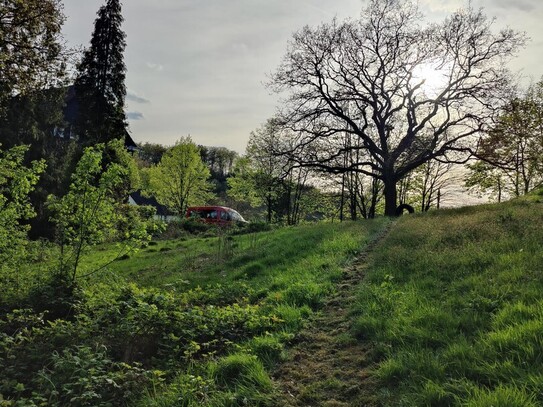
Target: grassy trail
{"x": 327, "y": 367}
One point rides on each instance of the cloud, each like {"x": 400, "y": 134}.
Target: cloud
{"x": 135, "y": 98}
{"x": 155, "y": 67}
{"x": 441, "y": 6}
{"x": 523, "y": 5}
{"x": 134, "y": 116}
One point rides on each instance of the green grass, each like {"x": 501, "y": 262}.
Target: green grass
{"x": 190, "y": 322}
{"x": 288, "y": 272}
{"x": 453, "y": 305}
{"x": 292, "y": 265}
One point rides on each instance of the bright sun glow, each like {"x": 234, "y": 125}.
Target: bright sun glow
{"x": 435, "y": 80}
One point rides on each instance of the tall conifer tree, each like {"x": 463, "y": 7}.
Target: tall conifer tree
{"x": 99, "y": 87}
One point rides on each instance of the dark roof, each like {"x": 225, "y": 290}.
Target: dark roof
{"x": 141, "y": 200}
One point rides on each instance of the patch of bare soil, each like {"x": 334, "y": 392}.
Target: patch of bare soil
{"x": 326, "y": 366}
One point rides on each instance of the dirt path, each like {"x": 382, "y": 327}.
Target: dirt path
{"x": 326, "y": 366}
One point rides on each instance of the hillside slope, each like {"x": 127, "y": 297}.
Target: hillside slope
{"x": 437, "y": 309}
{"x": 450, "y": 313}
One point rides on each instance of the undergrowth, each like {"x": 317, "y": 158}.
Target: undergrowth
{"x": 177, "y": 323}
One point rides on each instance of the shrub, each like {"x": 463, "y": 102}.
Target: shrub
{"x": 58, "y": 298}
{"x": 82, "y": 376}
{"x": 180, "y": 228}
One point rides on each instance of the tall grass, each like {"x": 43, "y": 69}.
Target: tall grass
{"x": 454, "y": 307}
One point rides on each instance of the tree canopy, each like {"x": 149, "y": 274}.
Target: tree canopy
{"x": 16, "y": 182}
{"x": 511, "y": 156}
{"x": 181, "y": 177}
{"x": 30, "y": 45}
{"x": 369, "y": 78}
{"x": 100, "y": 87}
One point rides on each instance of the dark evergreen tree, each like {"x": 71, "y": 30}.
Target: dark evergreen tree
{"x": 99, "y": 87}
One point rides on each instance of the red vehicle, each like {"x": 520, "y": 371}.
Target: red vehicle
{"x": 220, "y": 215}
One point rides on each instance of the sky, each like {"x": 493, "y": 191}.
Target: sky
{"x": 199, "y": 67}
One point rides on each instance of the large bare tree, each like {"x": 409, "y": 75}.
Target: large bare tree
{"x": 409, "y": 92}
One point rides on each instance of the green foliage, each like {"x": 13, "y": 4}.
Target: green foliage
{"x": 513, "y": 148}
{"x": 485, "y": 178}
{"x": 82, "y": 376}
{"x": 31, "y": 44}
{"x": 205, "y": 332}
{"x": 259, "y": 177}
{"x": 90, "y": 213}
{"x": 99, "y": 87}
{"x": 16, "y": 183}
{"x": 242, "y": 185}
{"x": 180, "y": 179}
{"x": 149, "y": 154}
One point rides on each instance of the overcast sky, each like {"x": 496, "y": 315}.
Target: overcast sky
{"x": 197, "y": 67}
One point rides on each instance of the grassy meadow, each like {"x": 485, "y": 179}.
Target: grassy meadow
{"x": 453, "y": 306}
{"x": 451, "y": 310}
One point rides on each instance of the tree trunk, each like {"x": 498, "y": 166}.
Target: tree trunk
{"x": 390, "y": 196}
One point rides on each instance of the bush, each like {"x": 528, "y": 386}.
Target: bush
{"x": 183, "y": 227}
{"x": 82, "y": 376}
{"x": 58, "y": 298}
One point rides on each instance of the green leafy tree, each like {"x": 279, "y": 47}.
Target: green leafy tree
{"x": 32, "y": 75}
{"x": 16, "y": 183}
{"x": 242, "y": 184}
{"x": 220, "y": 162}
{"x": 31, "y": 119}
{"x": 90, "y": 213}
{"x": 149, "y": 154}
{"x": 181, "y": 177}
{"x": 31, "y": 54}
{"x": 99, "y": 86}
{"x": 258, "y": 177}
{"x": 115, "y": 152}
{"x": 484, "y": 178}
{"x": 514, "y": 146}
